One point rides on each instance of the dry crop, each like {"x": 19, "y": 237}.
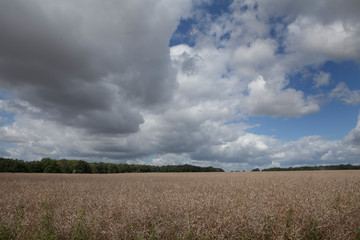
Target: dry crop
{"x": 261, "y": 205}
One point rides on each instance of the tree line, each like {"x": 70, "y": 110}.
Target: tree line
{"x": 312, "y": 168}
{"x": 48, "y": 165}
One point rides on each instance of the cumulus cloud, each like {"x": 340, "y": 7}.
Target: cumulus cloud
{"x": 248, "y": 60}
{"x": 354, "y": 135}
{"x": 178, "y": 139}
{"x": 335, "y": 40}
{"x": 304, "y": 151}
{"x": 263, "y": 100}
{"x": 342, "y": 92}
{"x": 245, "y": 148}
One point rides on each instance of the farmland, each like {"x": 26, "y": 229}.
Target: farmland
{"x": 242, "y": 205}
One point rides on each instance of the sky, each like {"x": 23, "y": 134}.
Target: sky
{"x": 236, "y": 84}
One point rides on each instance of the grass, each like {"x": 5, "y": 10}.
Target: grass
{"x": 266, "y": 205}
{"x": 46, "y": 230}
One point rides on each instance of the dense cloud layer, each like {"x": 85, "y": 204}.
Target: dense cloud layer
{"x": 97, "y": 80}
{"x": 89, "y": 64}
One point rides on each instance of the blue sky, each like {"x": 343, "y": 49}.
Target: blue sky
{"x": 233, "y": 84}
{"x": 334, "y": 120}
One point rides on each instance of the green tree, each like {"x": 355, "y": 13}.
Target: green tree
{"x": 11, "y": 165}
{"x": 123, "y": 168}
{"x": 101, "y": 167}
{"x": 82, "y": 167}
{"x": 34, "y": 167}
{"x": 5, "y": 164}
{"x": 112, "y": 168}
{"x": 50, "y": 165}
{"x": 65, "y": 166}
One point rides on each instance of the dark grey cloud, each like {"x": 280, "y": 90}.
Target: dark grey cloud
{"x": 36, "y": 50}
{"x": 88, "y": 64}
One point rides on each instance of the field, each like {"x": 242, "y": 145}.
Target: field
{"x": 256, "y": 205}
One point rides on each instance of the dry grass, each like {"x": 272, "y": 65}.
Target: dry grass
{"x": 264, "y": 205}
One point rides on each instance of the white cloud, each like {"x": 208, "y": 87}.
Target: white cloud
{"x": 201, "y": 74}
{"x": 176, "y": 138}
{"x": 263, "y": 100}
{"x": 335, "y": 40}
{"x": 353, "y": 138}
{"x": 171, "y": 159}
{"x": 305, "y": 150}
{"x": 249, "y": 60}
{"x": 321, "y": 79}
{"x": 246, "y": 148}
{"x": 342, "y": 92}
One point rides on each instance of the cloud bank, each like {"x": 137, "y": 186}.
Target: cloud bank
{"x": 98, "y": 80}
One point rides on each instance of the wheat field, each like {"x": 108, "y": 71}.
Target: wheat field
{"x": 244, "y": 205}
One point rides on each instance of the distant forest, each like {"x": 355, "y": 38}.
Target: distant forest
{"x": 311, "y": 168}
{"x": 48, "y": 165}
